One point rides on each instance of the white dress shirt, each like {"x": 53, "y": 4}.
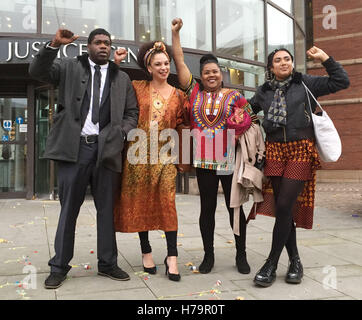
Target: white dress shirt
{"x": 89, "y": 127}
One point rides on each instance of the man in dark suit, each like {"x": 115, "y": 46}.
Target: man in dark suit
{"x": 96, "y": 109}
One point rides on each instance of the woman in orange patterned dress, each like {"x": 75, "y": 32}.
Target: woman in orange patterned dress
{"x": 291, "y": 155}
{"x": 148, "y": 189}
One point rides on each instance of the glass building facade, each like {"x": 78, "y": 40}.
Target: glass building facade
{"x": 240, "y": 33}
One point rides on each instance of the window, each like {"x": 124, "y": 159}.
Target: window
{"x": 280, "y": 30}
{"x": 285, "y": 4}
{"x": 18, "y": 16}
{"x": 83, "y": 16}
{"x": 155, "y": 18}
{"x": 237, "y": 73}
{"x": 240, "y": 29}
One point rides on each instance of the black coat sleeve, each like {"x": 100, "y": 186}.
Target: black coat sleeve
{"x": 254, "y": 102}
{"x": 130, "y": 117}
{"x": 336, "y": 80}
{"x": 43, "y": 67}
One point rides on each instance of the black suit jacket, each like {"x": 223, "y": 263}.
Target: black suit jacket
{"x": 72, "y": 76}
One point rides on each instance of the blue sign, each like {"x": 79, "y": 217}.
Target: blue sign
{"x": 7, "y": 125}
{"x": 19, "y": 120}
{"x": 5, "y": 138}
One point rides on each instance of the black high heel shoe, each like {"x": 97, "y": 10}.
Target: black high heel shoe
{"x": 152, "y": 270}
{"x": 171, "y": 276}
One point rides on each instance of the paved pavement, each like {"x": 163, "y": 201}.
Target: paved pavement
{"x": 331, "y": 254}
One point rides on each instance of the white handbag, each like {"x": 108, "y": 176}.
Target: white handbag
{"x": 328, "y": 142}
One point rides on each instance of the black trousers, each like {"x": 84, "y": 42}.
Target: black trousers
{"x": 73, "y": 181}
{"x": 208, "y": 182}
{"x": 171, "y": 240}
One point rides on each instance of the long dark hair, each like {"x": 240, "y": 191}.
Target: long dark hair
{"x": 269, "y": 74}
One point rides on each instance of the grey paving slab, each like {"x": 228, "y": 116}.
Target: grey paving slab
{"x": 307, "y": 290}
{"x": 331, "y": 254}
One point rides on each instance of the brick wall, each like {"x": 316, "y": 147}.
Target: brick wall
{"x": 345, "y": 44}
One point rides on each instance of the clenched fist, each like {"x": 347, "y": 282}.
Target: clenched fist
{"x": 177, "y": 24}
{"x": 318, "y": 55}
{"x": 63, "y": 36}
{"x": 119, "y": 55}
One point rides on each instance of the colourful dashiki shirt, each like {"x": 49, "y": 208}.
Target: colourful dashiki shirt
{"x": 208, "y": 115}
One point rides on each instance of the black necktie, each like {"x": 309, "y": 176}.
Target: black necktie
{"x": 96, "y": 94}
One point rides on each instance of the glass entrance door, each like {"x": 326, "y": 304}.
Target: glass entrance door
{"x": 13, "y": 145}
{"x": 45, "y": 178}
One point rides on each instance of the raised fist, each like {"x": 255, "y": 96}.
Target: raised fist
{"x": 177, "y": 24}
{"x": 63, "y": 36}
{"x": 119, "y": 55}
{"x": 318, "y": 55}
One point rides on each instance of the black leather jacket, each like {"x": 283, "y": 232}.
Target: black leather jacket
{"x": 299, "y": 124}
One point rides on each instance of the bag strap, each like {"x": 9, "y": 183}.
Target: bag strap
{"x": 310, "y": 92}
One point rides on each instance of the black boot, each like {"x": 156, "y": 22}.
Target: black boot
{"x": 207, "y": 264}
{"x": 266, "y": 275}
{"x": 242, "y": 263}
{"x": 295, "y": 271}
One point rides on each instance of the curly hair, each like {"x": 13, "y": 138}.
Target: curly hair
{"x": 269, "y": 74}
{"x": 143, "y": 50}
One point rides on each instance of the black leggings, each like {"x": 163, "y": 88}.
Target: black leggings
{"x": 171, "y": 239}
{"x": 208, "y": 182}
{"x": 286, "y": 192}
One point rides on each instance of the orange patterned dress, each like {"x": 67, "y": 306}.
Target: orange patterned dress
{"x": 148, "y": 188}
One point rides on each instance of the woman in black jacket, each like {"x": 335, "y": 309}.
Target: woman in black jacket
{"x": 291, "y": 156}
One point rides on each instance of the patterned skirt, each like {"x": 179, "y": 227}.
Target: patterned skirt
{"x": 297, "y": 160}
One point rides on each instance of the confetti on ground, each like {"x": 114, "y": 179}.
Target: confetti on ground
{"x": 189, "y": 264}
{"x": 141, "y": 274}
{"x": 239, "y": 298}
{"x": 3, "y": 241}
{"x": 213, "y": 291}
{"x": 22, "y": 293}
{"x": 91, "y": 251}
{"x": 230, "y": 241}
{"x": 180, "y": 235}
{"x": 355, "y": 215}
{"x": 7, "y": 284}
{"x": 163, "y": 236}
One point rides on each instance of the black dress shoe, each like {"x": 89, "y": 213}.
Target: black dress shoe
{"x": 266, "y": 275}
{"x": 207, "y": 264}
{"x": 115, "y": 274}
{"x": 295, "y": 271}
{"x": 152, "y": 270}
{"x": 54, "y": 280}
{"x": 242, "y": 263}
{"x": 171, "y": 276}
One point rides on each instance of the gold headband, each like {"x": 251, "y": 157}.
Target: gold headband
{"x": 157, "y": 47}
